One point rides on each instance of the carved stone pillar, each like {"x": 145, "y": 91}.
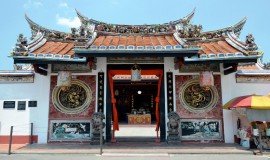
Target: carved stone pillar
{"x": 173, "y": 128}
{"x": 97, "y": 125}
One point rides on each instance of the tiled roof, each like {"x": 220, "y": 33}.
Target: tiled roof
{"x": 62, "y": 48}
{"x": 135, "y": 40}
{"x": 216, "y": 47}
{"x": 177, "y": 38}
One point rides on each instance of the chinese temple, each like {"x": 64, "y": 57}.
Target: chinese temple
{"x": 172, "y": 76}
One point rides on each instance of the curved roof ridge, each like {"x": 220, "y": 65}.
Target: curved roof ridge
{"x": 86, "y": 20}
{"x": 82, "y": 18}
{"x": 237, "y": 28}
{"x": 38, "y": 28}
{"x": 188, "y": 17}
{"x": 236, "y": 40}
{"x": 39, "y": 37}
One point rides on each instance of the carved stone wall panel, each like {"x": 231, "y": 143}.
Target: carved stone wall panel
{"x": 215, "y": 112}
{"x": 54, "y": 113}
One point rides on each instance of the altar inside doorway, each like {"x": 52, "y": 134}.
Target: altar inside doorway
{"x": 139, "y": 118}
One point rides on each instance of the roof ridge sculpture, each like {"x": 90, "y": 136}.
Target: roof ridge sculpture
{"x": 103, "y": 27}
{"x": 80, "y": 35}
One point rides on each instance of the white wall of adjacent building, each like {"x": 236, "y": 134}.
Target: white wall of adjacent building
{"x": 21, "y": 119}
{"x": 230, "y": 90}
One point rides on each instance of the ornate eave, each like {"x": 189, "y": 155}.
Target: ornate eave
{"x": 44, "y": 60}
{"x": 184, "y": 52}
{"x": 17, "y": 77}
{"x": 225, "y": 59}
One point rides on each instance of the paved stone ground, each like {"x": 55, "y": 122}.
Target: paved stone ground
{"x": 134, "y": 144}
{"x": 129, "y": 148}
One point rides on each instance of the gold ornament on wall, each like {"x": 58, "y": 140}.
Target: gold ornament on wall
{"x": 197, "y": 99}
{"x": 75, "y": 99}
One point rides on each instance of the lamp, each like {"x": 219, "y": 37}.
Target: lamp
{"x": 135, "y": 73}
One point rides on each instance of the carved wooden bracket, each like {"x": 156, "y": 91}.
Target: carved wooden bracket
{"x": 41, "y": 69}
{"x": 178, "y": 62}
{"x": 230, "y": 68}
{"x": 91, "y": 61}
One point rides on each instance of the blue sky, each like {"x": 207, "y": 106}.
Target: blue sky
{"x": 60, "y": 15}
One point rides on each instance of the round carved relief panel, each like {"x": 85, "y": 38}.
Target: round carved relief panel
{"x": 198, "y": 99}
{"x": 74, "y": 99}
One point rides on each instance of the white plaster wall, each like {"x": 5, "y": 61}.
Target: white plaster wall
{"x": 102, "y": 67}
{"x": 230, "y": 90}
{"x": 169, "y": 67}
{"x": 21, "y": 119}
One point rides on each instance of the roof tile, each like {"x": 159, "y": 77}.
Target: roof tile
{"x": 155, "y": 41}
{"x": 123, "y": 40}
{"x": 163, "y": 41}
{"x": 67, "y": 48}
{"x": 115, "y": 41}
{"x": 107, "y": 40}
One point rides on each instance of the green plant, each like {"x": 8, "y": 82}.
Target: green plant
{"x": 254, "y": 125}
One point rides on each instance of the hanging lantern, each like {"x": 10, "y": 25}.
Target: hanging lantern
{"x": 206, "y": 79}
{"x": 135, "y": 73}
{"x": 64, "y": 79}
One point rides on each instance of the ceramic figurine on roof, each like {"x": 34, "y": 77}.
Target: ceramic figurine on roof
{"x": 250, "y": 41}
{"x": 21, "y": 46}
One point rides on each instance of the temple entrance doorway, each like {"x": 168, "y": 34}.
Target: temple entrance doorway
{"x": 135, "y": 107}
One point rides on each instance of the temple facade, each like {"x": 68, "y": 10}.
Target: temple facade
{"x": 173, "y": 76}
